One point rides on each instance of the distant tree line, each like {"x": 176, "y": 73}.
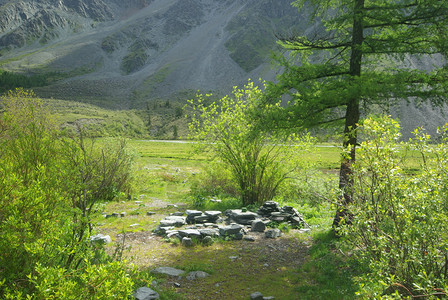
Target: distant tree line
{"x": 10, "y": 81}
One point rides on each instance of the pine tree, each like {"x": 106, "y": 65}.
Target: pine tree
{"x": 358, "y": 57}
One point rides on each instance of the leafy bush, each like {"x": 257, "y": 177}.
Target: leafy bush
{"x": 48, "y": 186}
{"x": 258, "y": 161}
{"x": 400, "y": 220}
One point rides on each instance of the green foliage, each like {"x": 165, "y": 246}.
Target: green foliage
{"x": 47, "y": 185}
{"x": 400, "y": 220}
{"x": 258, "y": 161}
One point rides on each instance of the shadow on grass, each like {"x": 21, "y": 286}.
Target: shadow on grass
{"x": 327, "y": 274}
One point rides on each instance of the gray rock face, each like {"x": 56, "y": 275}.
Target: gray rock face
{"x": 168, "y": 271}
{"x": 145, "y": 293}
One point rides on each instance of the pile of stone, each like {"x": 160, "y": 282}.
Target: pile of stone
{"x": 235, "y": 224}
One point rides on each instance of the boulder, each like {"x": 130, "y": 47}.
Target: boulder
{"x": 145, "y": 293}
{"x": 258, "y": 226}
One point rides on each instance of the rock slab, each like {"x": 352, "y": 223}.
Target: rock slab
{"x": 168, "y": 271}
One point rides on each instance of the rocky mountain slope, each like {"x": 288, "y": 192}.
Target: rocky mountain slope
{"x": 130, "y": 53}
{"x": 124, "y": 53}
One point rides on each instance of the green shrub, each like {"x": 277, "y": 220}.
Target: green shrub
{"x": 400, "y": 220}
{"x": 48, "y": 186}
{"x": 258, "y": 161}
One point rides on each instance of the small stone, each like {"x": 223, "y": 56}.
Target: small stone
{"x": 171, "y": 206}
{"x": 196, "y": 275}
{"x": 177, "y": 284}
{"x": 256, "y": 296}
{"x": 134, "y": 225}
{"x": 115, "y": 215}
{"x": 268, "y": 298}
{"x": 238, "y": 237}
{"x": 150, "y": 213}
{"x": 273, "y": 233}
{"x": 258, "y": 226}
{"x": 249, "y": 238}
{"x": 145, "y": 293}
{"x": 208, "y": 240}
{"x": 100, "y": 239}
{"x": 138, "y": 202}
{"x": 187, "y": 242}
{"x": 233, "y": 257}
{"x": 123, "y": 214}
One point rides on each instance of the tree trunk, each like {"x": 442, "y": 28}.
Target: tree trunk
{"x": 351, "y": 118}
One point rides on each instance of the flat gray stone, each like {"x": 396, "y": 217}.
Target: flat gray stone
{"x": 193, "y": 213}
{"x": 213, "y": 213}
{"x": 240, "y": 217}
{"x": 168, "y": 271}
{"x": 190, "y": 233}
{"x": 230, "y": 230}
{"x": 145, "y": 293}
{"x": 168, "y": 223}
{"x": 196, "y": 275}
{"x": 174, "y": 220}
{"x": 209, "y": 232}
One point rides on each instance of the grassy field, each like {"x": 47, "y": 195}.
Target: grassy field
{"x": 295, "y": 266}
